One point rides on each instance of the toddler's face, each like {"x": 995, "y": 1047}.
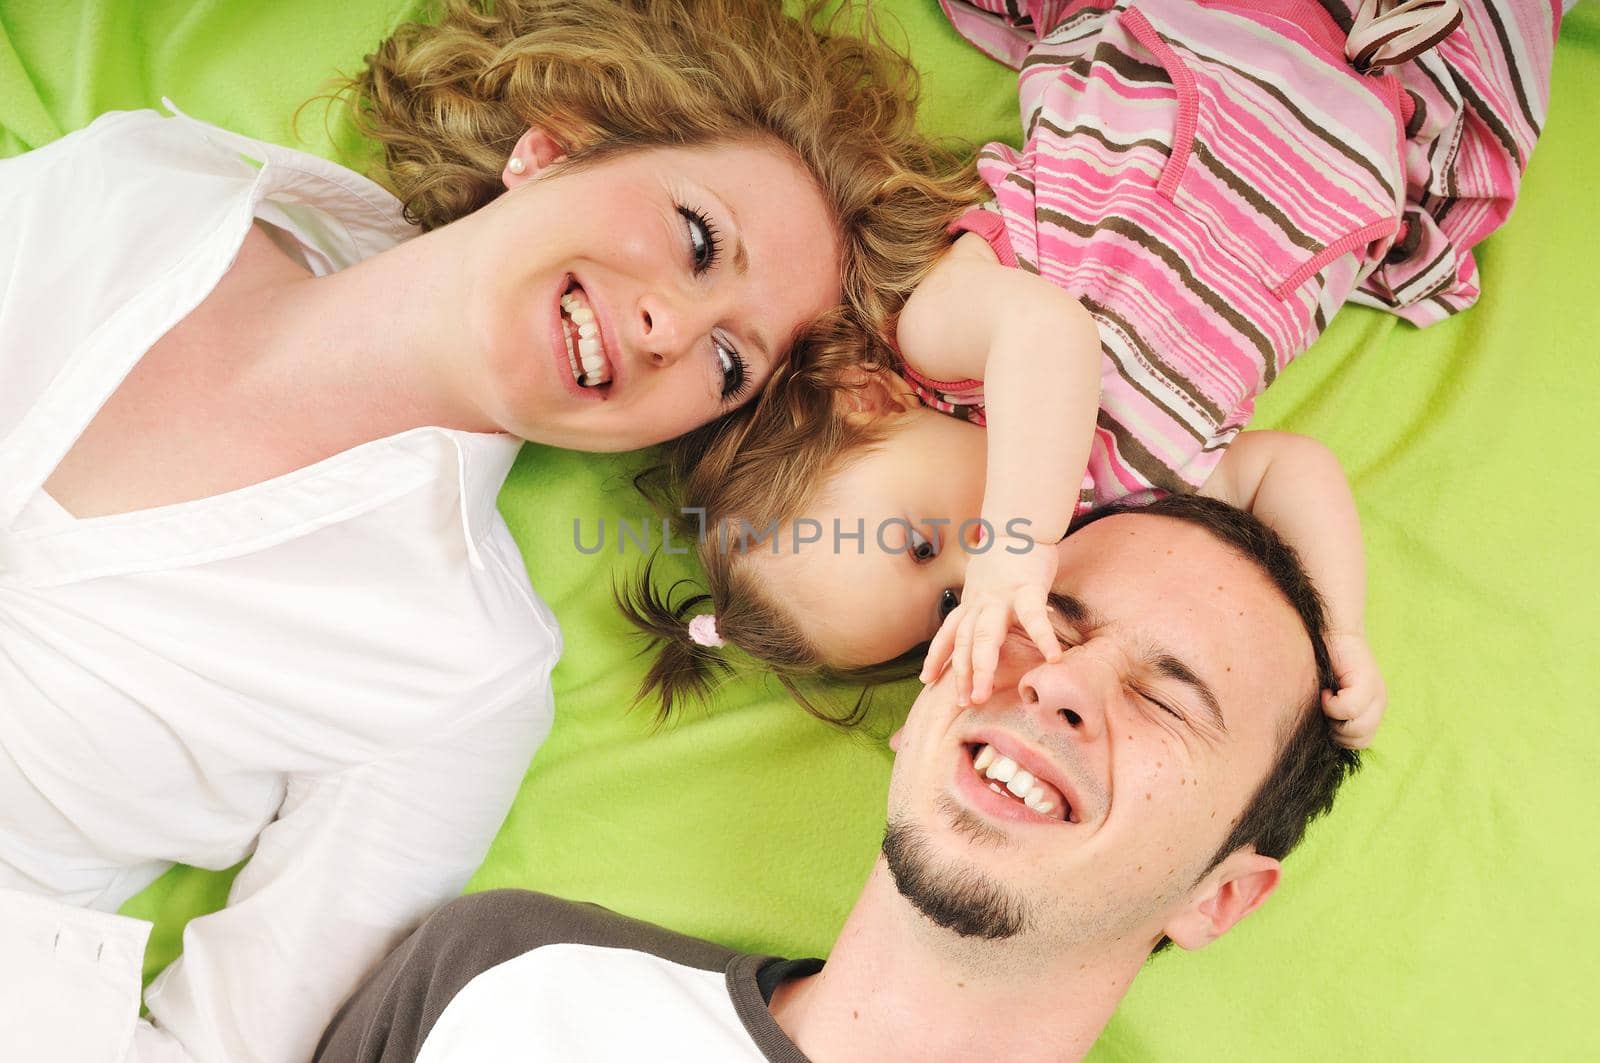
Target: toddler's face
{"x": 869, "y": 598}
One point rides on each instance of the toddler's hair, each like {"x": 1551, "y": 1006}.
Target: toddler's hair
{"x": 764, "y": 464}
{"x": 447, "y": 100}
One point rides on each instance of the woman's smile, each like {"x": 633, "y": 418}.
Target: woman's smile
{"x": 659, "y": 280}
{"x": 593, "y": 365}
{"x": 587, "y": 363}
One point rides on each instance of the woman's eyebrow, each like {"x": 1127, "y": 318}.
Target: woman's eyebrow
{"x": 740, "y": 256}
{"x": 741, "y": 265}
{"x": 761, "y": 344}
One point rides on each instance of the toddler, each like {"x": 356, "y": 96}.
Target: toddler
{"x": 1202, "y": 187}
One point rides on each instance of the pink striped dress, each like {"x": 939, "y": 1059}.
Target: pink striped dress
{"x": 1214, "y": 180}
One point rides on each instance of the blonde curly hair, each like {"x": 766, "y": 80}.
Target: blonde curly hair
{"x": 447, "y": 99}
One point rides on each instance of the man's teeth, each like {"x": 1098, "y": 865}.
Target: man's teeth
{"x": 589, "y": 354}
{"x": 1002, "y": 770}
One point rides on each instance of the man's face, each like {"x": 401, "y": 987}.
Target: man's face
{"x": 1144, "y": 744}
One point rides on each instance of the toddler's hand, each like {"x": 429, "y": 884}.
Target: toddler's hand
{"x": 1358, "y": 706}
{"x": 1000, "y": 584}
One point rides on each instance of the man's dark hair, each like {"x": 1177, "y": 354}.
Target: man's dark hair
{"x": 1310, "y": 765}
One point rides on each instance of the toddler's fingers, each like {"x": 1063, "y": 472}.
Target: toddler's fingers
{"x": 1035, "y": 620}
{"x": 1357, "y": 733}
{"x": 1364, "y": 695}
{"x": 940, "y": 648}
{"x": 1350, "y": 738}
{"x": 1341, "y": 706}
{"x": 961, "y": 659}
{"x": 989, "y": 632}
{"x": 1355, "y": 723}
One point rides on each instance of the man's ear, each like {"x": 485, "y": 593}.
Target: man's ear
{"x": 865, "y": 395}
{"x": 534, "y": 150}
{"x": 1232, "y": 890}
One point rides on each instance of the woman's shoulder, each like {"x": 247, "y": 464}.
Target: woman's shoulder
{"x": 130, "y": 168}
{"x": 128, "y": 144}
{"x": 129, "y": 180}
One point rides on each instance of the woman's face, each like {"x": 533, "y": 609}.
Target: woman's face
{"x": 625, "y": 302}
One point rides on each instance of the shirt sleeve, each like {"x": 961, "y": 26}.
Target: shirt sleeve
{"x": 69, "y": 983}
{"x": 1006, "y": 29}
{"x": 991, "y": 226}
{"x": 350, "y": 865}
{"x": 1474, "y": 107}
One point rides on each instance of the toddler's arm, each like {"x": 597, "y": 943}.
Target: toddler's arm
{"x": 1296, "y": 486}
{"x": 1037, "y": 351}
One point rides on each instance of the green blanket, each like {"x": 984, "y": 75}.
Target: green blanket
{"x": 1441, "y": 913}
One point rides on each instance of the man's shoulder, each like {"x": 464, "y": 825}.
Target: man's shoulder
{"x": 394, "y": 1012}
{"x": 511, "y": 922}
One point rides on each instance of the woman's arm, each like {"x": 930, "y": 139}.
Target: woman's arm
{"x": 1295, "y": 485}
{"x": 352, "y": 863}
{"x": 1037, "y": 351}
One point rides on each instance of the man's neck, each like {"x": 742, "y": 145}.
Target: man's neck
{"x": 897, "y": 987}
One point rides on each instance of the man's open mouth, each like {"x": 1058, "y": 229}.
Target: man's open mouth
{"x": 1006, "y": 777}
{"x": 586, "y": 352}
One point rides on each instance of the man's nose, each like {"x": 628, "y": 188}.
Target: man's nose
{"x": 1072, "y": 692}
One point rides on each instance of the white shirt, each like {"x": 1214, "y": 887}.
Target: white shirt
{"x": 566, "y": 1003}
{"x": 510, "y": 975}
{"x": 343, "y": 670}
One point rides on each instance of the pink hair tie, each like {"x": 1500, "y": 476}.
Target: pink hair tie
{"x": 703, "y": 630}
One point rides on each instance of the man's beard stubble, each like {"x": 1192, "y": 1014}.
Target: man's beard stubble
{"x": 960, "y": 899}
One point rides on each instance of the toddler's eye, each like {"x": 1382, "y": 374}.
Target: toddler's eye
{"x": 948, "y": 602}
{"x": 922, "y": 548}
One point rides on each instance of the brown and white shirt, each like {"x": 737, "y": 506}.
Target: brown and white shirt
{"x": 513, "y": 975}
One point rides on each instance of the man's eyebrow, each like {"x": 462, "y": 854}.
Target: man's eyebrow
{"x": 1173, "y": 668}
{"x": 1072, "y": 611}
{"x": 1076, "y": 613}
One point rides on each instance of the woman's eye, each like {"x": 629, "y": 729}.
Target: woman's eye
{"x": 735, "y": 373}
{"x": 922, "y": 548}
{"x": 704, "y": 246}
{"x": 948, "y": 602}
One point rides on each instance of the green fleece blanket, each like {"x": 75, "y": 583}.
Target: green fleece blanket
{"x": 1443, "y": 912}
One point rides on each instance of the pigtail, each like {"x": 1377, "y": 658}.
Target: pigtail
{"x": 759, "y": 464}
{"x": 683, "y": 669}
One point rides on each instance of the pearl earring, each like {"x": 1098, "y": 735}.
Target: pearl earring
{"x": 516, "y": 165}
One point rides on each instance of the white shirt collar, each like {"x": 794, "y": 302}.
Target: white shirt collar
{"x": 347, "y": 218}
{"x": 373, "y": 219}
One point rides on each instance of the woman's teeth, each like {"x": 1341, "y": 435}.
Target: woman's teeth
{"x": 1000, "y": 769}
{"x": 584, "y": 353}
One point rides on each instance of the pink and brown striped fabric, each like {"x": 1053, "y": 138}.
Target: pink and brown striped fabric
{"x": 1214, "y": 181}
